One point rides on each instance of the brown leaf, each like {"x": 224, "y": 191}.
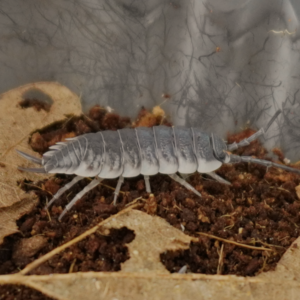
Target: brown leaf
{"x": 16, "y": 124}
{"x": 153, "y": 236}
{"x": 288, "y": 268}
{"x": 9, "y": 215}
{"x": 142, "y": 276}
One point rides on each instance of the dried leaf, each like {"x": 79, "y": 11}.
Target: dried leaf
{"x": 9, "y": 215}
{"x": 17, "y": 123}
{"x": 288, "y": 268}
{"x": 147, "y": 280}
{"x": 153, "y": 236}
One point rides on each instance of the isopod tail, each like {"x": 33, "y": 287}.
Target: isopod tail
{"x": 32, "y": 170}
{"x": 31, "y": 158}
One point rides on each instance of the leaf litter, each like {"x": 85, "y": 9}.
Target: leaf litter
{"x": 243, "y": 229}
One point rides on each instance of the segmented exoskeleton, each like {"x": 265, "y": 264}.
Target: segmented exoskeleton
{"x": 147, "y": 151}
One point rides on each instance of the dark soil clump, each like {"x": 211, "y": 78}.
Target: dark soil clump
{"x": 15, "y": 292}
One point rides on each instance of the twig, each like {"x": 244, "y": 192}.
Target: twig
{"x": 49, "y": 217}
{"x": 234, "y": 243}
{"x": 285, "y": 237}
{"x": 134, "y": 201}
{"x": 279, "y": 188}
{"x": 270, "y": 245}
{"x": 55, "y": 251}
{"x": 38, "y": 187}
{"x": 220, "y": 263}
{"x": 72, "y": 266}
{"x": 47, "y": 210}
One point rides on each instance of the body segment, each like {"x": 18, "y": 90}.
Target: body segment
{"x": 165, "y": 148}
{"x": 183, "y": 140}
{"x": 131, "y": 153}
{"x": 148, "y": 153}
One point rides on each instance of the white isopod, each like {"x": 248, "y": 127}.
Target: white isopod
{"x": 147, "y": 151}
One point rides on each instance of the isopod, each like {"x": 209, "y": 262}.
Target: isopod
{"x": 129, "y": 152}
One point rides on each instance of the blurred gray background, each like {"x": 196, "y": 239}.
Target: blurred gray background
{"x": 216, "y": 64}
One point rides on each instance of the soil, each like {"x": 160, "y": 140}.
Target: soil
{"x": 260, "y": 208}
{"x": 15, "y": 292}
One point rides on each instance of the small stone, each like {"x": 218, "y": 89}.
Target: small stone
{"x": 202, "y": 217}
{"x": 28, "y": 247}
{"x": 140, "y": 185}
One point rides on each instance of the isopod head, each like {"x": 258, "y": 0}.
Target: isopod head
{"x": 219, "y": 149}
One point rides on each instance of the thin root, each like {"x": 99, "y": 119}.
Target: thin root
{"x": 234, "y": 243}
{"x": 221, "y": 260}
{"x": 134, "y": 201}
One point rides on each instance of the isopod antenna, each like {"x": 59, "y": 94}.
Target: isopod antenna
{"x": 236, "y": 158}
{"x": 266, "y": 163}
{"x": 254, "y": 136}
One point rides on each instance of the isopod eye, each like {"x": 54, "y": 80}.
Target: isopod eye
{"x": 219, "y": 148}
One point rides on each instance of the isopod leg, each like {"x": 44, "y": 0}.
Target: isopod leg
{"x": 33, "y": 170}
{"x": 182, "y": 270}
{"x": 218, "y": 178}
{"x": 147, "y": 181}
{"x": 63, "y": 189}
{"x": 184, "y": 183}
{"x": 117, "y": 190}
{"x": 89, "y": 187}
